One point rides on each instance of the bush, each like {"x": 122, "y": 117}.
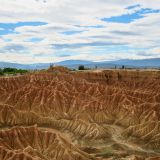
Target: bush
{"x": 81, "y": 67}
{"x": 21, "y": 71}
{"x": 1, "y": 72}
{"x": 8, "y": 70}
{"x": 13, "y": 71}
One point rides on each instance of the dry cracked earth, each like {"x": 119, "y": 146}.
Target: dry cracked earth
{"x": 112, "y": 114}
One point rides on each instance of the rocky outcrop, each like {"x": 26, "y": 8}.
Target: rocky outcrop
{"x": 108, "y": 110}
{"x": 23, "y": 143}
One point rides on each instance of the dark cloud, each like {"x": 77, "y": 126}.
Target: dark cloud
{"x": 101, "y": 37}
{"x": 80, "y": 45}
{"x": 125, "y": 33}
{"x": 13, "y": 48}
{"x": 63, "y": 55}
{"x": 133, "y": 6}
{"x": 145, "y": 54}
{"x": 43, "y": 1}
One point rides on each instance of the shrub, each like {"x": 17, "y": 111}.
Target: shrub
{"x": 8, "y": 70}
{"x": 13, "y": 71}
{"x": 81, "y": 67}
{"x": 1, "y": 72}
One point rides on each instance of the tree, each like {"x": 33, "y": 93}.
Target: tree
{"x": 81, "y": 67}
{"x": 1, "y": 72}
{"x": 13, "y": 70}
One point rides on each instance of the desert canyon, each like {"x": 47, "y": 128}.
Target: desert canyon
{"x": 63, "y": 115}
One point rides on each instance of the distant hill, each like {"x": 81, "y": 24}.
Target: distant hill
{"x": 143, "y": 63}
{"x": 154, "y": 62}
{"x": 68, "y": 63}
{"x": 74, "y": 62}
{"x": 12, "y": 65}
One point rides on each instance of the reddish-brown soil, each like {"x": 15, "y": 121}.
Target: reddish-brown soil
{"x": 111, "y": 114}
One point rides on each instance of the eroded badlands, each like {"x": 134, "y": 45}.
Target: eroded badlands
{"x": 80, "y": 116}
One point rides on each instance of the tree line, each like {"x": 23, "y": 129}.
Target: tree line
{"x": 11, "y": 71}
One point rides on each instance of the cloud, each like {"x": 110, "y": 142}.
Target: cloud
{"x": 13, "y": 48}
{"x": 80, "y": 45}
{"x": 63, "y": 55}
{"x": 43, "y": 30}
{"x": 125, "y": 33}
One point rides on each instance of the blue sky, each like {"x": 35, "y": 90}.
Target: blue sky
{"x": 97, "y": 30}
{"x": 10, "y": 27}
{"x": 128, "y": 18}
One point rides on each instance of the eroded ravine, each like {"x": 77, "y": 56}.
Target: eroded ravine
{"x": 95, "y": 113}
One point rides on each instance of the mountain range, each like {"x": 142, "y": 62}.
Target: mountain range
{"x": 130, "y": 63}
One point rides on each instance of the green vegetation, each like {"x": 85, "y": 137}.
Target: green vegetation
{"x": 81, "y": 67}
{"x": 12, "y": 71}
{"x": 72, "y": 69}
{"x": 1, "y": 72}
{"x": 105, "y": 154}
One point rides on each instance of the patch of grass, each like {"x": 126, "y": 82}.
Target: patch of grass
{"x": 105, "y": 154}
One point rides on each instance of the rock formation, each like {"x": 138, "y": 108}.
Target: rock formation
{"x": 80, "y": 115}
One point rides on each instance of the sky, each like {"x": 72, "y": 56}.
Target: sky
{"x": 47, "y": 31}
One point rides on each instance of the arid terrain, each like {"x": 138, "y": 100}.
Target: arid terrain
{"x": 110, "y": 114}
